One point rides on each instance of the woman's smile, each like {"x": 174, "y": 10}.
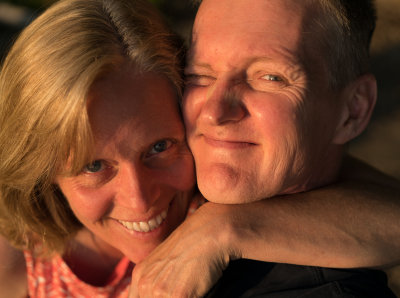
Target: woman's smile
{"x": 136, "y": 189}
{"x": 145, "y": 226}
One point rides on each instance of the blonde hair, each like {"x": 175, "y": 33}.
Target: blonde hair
{"x": 44, "y": 83}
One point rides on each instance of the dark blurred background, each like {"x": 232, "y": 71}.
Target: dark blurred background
{"x": 379, "y": 145}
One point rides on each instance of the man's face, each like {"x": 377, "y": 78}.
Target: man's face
{"x": 259, "y": 114}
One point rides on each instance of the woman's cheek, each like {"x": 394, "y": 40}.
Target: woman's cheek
{"x": 181, "y": 174}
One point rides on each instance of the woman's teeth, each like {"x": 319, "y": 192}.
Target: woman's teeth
{"x": 145, "y": 226}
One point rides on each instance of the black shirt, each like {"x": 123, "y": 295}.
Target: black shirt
{"x": 247, "y": 278}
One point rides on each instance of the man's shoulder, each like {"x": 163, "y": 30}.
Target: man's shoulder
{"x": 247, "y": 278}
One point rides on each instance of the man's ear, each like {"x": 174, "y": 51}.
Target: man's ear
{"x": 359, "y": 100}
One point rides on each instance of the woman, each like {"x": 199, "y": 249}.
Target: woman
{"x": 94, "y": 167}
{"x": 95, "y": 170}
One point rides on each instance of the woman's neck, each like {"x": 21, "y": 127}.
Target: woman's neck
{"x": 91, "y": 259}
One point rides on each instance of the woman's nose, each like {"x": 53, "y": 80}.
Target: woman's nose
{"x": 138, "y": 188}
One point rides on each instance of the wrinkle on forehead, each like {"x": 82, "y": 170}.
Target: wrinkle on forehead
{"x": 250, "y": 18}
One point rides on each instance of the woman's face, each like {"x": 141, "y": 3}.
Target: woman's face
{"x": 136, "y": 190}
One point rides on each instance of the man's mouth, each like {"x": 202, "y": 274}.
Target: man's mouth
{"x": 229, "y": 144}
{"x": 145, "y": 226}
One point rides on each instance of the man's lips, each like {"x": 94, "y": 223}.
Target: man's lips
{"x": 228, "y": 144}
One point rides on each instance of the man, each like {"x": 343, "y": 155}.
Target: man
{"x": 275, "y": 89}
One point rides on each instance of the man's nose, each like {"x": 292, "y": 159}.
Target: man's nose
{"x": 223, "y": 105}
{"x": 138, "y": 188}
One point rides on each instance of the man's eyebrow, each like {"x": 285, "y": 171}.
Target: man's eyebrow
{"x": 290, "y": 67}
{"x": 284, "y": 60}
{"x": 205, "y": 66}
{"x": 259, "y": 59}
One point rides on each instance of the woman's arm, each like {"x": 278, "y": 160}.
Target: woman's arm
{"x": 13, "y": 279}
{"x": 354, "y": 223}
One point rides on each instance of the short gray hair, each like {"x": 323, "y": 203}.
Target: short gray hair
{"x": 350, "y": 25}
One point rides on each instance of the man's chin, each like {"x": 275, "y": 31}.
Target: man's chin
{"x": 226, "y": 184}
{"x": 229, "y": 195}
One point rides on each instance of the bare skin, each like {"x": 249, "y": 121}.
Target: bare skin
{"x": 350, "y": 224}
{"x": 285, "y": 224}
{"x": 372, "y": 206}
{"x": 261, "y": 125}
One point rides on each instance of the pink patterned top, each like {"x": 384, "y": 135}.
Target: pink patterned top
{"x": 53, "y": 278}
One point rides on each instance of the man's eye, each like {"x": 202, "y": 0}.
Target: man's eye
{"x": 160, "y": 146}
{"x": 198, "y": 80}
{"x": 94, "y": 167}
{"x": 273, "y": 78}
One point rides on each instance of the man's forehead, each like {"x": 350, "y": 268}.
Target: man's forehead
{"x": 236, "y": 13}
{"x": 221, "y": 24}
{"x": 253, "y": 7}
{"x": 227, "y": 16}
{"x": 235, "y": 23}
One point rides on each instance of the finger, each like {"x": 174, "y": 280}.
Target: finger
{"x": 133, "y": 293}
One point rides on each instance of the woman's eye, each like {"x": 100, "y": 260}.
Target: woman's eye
{"x": 273, "y": 78}
{"x": 160, "y": 146}
{"x": 94, "y": 167}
